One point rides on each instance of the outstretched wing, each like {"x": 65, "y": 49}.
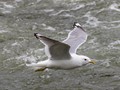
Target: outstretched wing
{"x": 76, "y": 37}
{"x": 54, "y": 49}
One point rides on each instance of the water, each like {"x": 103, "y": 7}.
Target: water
{"x": 19, "y": 19}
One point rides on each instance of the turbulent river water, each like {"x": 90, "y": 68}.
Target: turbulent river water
{"x": 20, "y": 19}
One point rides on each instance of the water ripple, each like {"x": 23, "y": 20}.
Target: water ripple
{"x": 92, "y": 21}
{"x": 115, "y": 45}
{"x": 6, "y": 8}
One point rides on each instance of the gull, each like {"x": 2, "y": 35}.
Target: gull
{"x": 62, "y": 55}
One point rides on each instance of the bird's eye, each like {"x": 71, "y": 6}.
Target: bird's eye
{"x": 85, "y": 59}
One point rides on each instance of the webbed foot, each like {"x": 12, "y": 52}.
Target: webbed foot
{"x": 40, "y": 69}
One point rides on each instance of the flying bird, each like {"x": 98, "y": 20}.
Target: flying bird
{"x": 62, "y": 55}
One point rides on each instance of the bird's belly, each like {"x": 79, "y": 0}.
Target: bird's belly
{"x": 66, "y": 64}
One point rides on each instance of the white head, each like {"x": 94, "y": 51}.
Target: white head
{"x": 85, "y": 60}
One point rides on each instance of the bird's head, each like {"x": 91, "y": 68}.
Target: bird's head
{"x": 86, "y": 60}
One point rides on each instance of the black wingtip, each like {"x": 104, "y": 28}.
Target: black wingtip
{"x": 76, "y": 24}
{"x": 35, "y": 34}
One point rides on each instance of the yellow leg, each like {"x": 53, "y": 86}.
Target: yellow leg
{"x": 40, "y": 69}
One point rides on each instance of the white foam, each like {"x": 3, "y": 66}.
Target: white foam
{"x": 5, "y": 50}
{"x": 39, "y": 1}
{"x": 59, "y": 12}
{"x": 91, "y": 3}
{"x": 16, "y": 44}
{"x": 67, "y": 15}
{"x": 114, "y": 44}
{"x": 6, "y": 12}
{"x": 3, "y": 31}
{"x": 115, "y": 7}
{"x": 48, "y": 10}
{"x": 7, "y": 8}
{"x": 39, "y": 50}
{"x": 78, "y": 7}
{"x": 92, "y": 21}
{"x": 18, "y": 0}
{"x": 48, "y": 27}
{"x": 93, "y": 40}
{"x": 106, "y": 63}
{"x": 110, "y": 24}
{"x": 45, "y": 76}
{"x": 27, "y": 58}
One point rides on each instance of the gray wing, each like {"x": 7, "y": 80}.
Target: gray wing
{"x": 54, "y": 49}
{"x": 76, "y": 37}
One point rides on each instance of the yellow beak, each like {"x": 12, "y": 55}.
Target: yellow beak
{"x": 92, "y": 61}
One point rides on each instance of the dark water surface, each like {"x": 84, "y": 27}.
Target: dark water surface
{"x": 19, "y": 19}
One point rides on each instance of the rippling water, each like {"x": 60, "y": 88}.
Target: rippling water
{"x": 19, "y": 19}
